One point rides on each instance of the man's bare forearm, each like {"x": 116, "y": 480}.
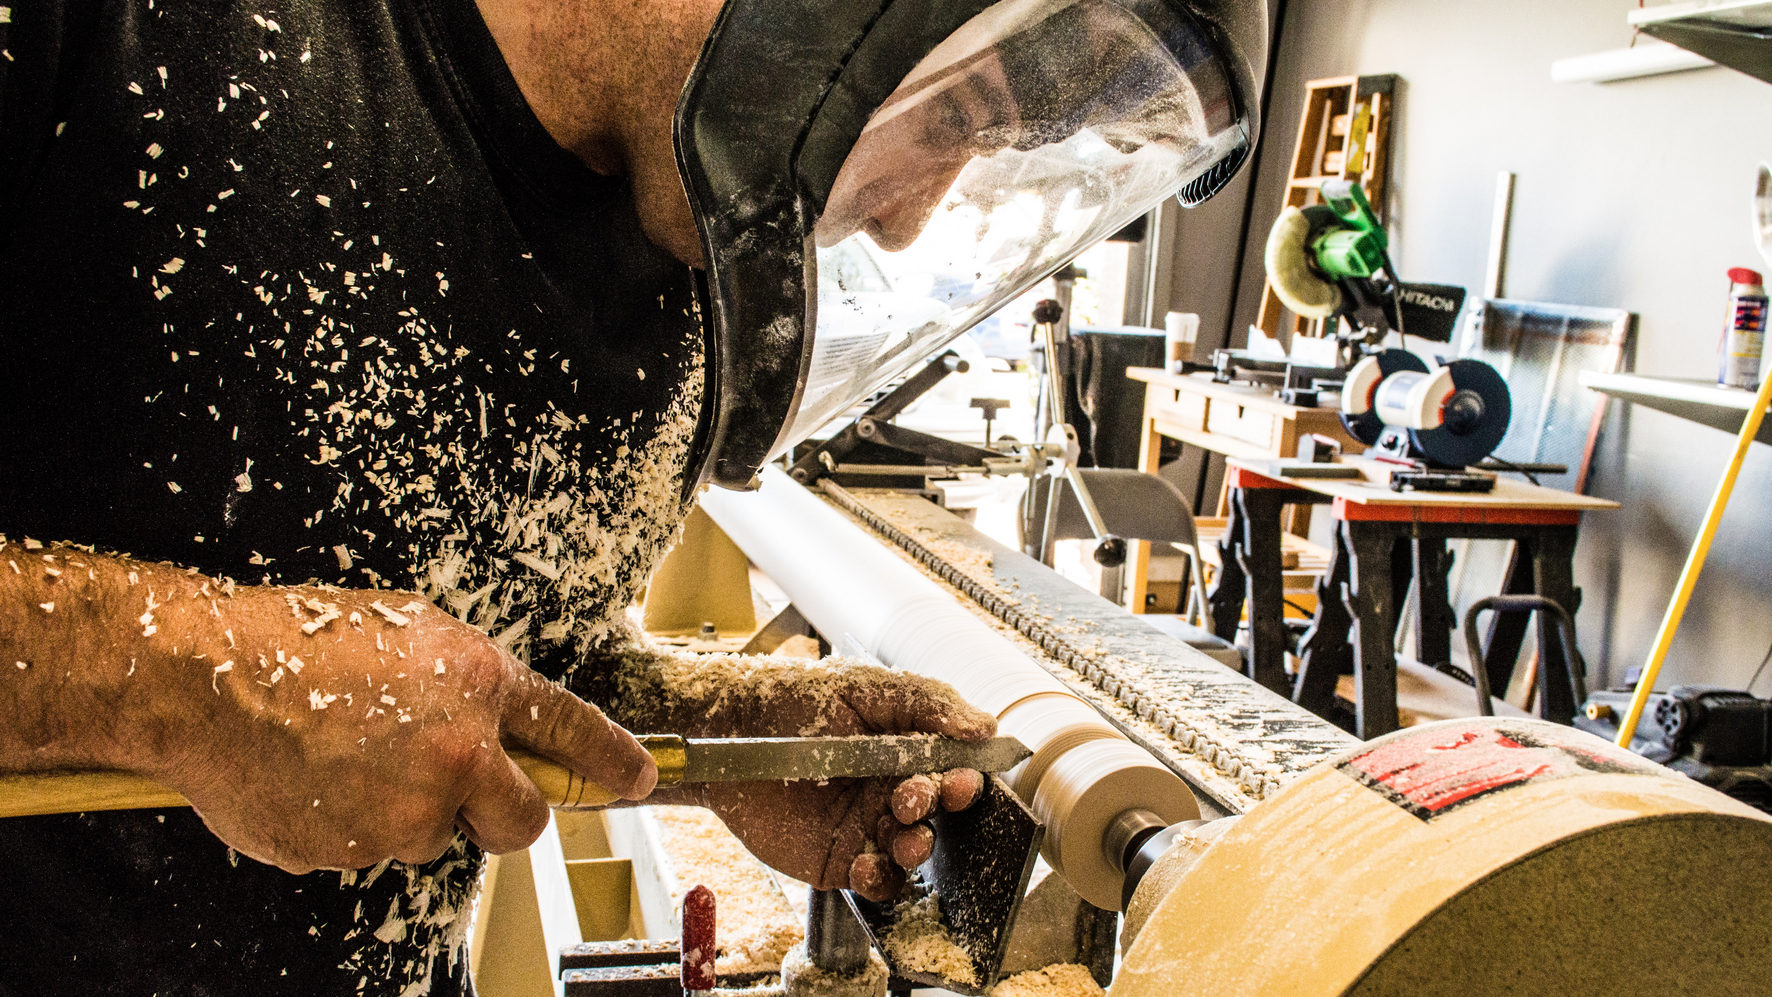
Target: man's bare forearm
{"x": 309, "y": 726}
{"x": 86, "y": 641}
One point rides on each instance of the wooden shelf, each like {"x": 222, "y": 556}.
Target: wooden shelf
{"x": 1703, "y": 402}
{"x": 1733, "y": 33}
{"x": 1322, "y": 152}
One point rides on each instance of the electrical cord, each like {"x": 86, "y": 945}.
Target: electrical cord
{"x": 1749, "y": 688}
{"x": 1508, "y": 465}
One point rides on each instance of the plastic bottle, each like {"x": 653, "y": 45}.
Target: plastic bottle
{"x": 1744, "y": 332}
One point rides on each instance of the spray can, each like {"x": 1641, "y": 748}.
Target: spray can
{"x": 1745, "y": 331}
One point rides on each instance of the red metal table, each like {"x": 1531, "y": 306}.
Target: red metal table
{"x": 1369, "y": 571}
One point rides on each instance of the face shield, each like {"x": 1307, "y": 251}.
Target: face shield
{"x": 941, "y": 163}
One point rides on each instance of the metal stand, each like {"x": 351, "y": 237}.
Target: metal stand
{"x": 934, "y": 455}
{"x": 836, "y": 942}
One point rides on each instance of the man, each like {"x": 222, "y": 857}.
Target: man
{"x": 370, "y": 331}
{"x": 311, "y": 293}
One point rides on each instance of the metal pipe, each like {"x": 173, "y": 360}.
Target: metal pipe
{"x": 836, "y": 942}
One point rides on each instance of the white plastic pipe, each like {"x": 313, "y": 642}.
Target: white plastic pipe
{"x": 1646, "y": 58}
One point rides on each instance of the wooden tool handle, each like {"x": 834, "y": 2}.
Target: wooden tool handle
{"x": 31, "y": 794}
{"x": 77, "y": 792}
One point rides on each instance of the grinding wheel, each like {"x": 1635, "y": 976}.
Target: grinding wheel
{"x": 1472, "y": 857}
{"x": 1367, "y": 427}
{"x": 1289, "y": 272}
{"x": 1481, "y": 396}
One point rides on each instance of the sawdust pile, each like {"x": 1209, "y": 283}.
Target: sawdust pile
{"x": 1060, "y": 980}
{"x": 661, "y": 690}
{"x": 978, "y": 565}
{"x": 919, "y": 941}
{"x": 755, "y": 924}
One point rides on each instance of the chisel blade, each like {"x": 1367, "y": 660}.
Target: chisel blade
{"x": 772, "y": 759}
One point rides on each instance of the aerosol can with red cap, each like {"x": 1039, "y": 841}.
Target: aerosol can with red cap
{"x": 1744, "y": 333}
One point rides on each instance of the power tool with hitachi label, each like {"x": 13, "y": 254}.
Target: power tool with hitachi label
{"x": 1331, "y": 261}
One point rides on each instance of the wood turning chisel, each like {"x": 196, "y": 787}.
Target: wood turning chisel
{"x": 680, "y": 760}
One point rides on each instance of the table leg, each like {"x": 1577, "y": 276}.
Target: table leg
{"x": 1224, "y": 602}
{"x": 1150, "y": 452}
{"x": 1324, "y": 653}
{"x": 1402, "y": 573}
{"x": 1434, "y": 618}
{"x": 1261, "y": 563}
{"x": 1372, "y": 604}
{"x": 1553, "y": 569}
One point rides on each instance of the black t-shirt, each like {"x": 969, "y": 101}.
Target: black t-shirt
{"x": 304, "y": 291}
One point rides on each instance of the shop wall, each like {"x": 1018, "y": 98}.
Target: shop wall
{"x": 1631, "y": 195}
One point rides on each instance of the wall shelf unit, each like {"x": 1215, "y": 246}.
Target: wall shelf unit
{"x": 1733, "y": 33}
{"x": 1704, "y": 402}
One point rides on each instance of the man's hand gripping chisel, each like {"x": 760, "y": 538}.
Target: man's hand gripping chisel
{"x": 680, "y": 760}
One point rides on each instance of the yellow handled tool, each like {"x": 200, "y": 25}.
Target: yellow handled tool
{"x": 1664, "y": 638}
{"x": 735, "y": 759}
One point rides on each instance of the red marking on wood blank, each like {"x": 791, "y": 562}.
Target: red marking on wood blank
{"x": 1432, "y": 771}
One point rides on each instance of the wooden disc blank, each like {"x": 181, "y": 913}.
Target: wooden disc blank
{"x": 1083, "y": 791}
{"x": 1050, "y": 726}
{"x": 1489, "y": 856}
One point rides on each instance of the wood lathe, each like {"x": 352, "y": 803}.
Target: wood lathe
{"x": 1255, "y": 848}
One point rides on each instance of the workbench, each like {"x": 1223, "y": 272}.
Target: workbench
{"x": 1236, "y": 420}
{"x": 1356, "y": 616}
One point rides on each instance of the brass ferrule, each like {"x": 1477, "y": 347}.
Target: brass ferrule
{"x": 671, "y": 755}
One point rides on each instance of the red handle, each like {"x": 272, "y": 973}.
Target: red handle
{"x": 698, "y": 939}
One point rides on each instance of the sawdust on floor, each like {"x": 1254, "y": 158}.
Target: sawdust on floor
{"x": 755, "y": 924}
{"x": 920, "y": 942}
{"x": 1059, "y": 980}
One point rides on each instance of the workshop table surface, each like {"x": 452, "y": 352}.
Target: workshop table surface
{"x": 1373, "y": 489}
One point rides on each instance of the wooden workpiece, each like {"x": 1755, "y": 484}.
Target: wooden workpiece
{"x": 1471, "y": 857}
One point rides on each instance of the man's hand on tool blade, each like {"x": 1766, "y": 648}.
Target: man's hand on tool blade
{"x": 855, "y": 833}
{"x": 310, "y": 727}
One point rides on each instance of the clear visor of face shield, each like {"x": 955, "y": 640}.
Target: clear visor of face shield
{"x": 1037, "y": 130}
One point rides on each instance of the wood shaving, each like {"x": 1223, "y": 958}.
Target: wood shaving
{"x": 1060, "y": 980}
{"x": 756, "y": 924}
{"x": 395, "y": 617}
{"x": 920, "y": 942}
{"x": 654, "y": 684}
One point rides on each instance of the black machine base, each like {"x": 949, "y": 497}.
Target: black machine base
{"x": 1719, "y": 737}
